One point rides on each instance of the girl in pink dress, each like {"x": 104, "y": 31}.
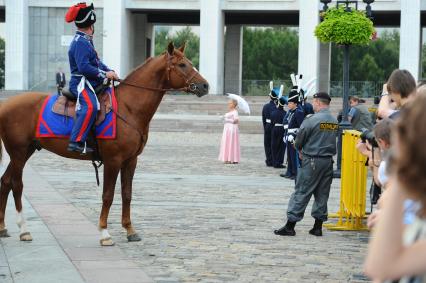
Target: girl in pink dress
{"x": 230, "y": 144}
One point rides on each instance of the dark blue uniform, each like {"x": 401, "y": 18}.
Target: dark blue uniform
{"x": 295, "y": 118}
{"x": 308, "y": 109}
{"x": 277, "y": 143}
{"x": 267, "y": 130}
{"x": 84, "y": 64}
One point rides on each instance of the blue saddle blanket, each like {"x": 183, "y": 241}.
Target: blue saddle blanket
{"x": 52, "y": 125}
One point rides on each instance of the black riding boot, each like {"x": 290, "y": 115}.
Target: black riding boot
{"x": 317, "y": 229}
{"x": 79, "y": 147}
{"x": 287, "y": 230}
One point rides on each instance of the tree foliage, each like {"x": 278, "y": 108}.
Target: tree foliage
{"x": 269, "y": 53}
{"x": 345, "y": 27}
{"x": 373, "y": 62}
{"x": 192, "y": 50}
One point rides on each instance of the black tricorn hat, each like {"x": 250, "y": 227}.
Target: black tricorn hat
{"x": 293, "y": 95}
{"x": 83, "y": 15}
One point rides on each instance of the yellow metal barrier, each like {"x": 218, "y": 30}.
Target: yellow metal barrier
{"x": 353, "y": 186}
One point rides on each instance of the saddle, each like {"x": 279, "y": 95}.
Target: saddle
{"x": 65, "y": 104}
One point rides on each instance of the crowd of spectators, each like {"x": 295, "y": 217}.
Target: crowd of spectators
{"x": 397, "y": 249}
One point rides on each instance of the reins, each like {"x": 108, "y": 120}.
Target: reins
{"x": 190, "y": 87}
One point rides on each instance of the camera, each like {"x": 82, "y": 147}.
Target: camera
{"x": 377, "y": 100}
{"x": 368, "y": 135}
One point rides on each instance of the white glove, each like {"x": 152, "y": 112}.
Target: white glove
{"x": 290, "y": 138}
{"x": 284, "y": 138}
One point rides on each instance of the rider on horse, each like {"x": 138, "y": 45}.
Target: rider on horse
{"x": 87, "y": 72}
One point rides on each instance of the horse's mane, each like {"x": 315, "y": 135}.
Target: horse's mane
{"x": 146, "y": 62}
{"x": 136, "y": 69}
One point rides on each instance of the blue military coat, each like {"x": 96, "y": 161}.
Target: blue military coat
{"x": 84, "y": 61}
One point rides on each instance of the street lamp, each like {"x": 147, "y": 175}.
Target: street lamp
{"x": 345, "y": 124}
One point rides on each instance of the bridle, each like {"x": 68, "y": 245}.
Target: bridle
{"x": 190, "y": 86}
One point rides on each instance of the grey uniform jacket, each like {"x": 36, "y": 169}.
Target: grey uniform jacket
{"x": 317, "y": 135}
{"x": 362, "y": 119}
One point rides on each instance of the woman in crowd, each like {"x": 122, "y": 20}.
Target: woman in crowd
{"x": 397, "y": 252}
{"x": 230, "y": 144}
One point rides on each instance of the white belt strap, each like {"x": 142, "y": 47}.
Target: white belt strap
{"x": 278, "y": 124}
{"x": 292, "y": 131}
{"x": 285, "y": 126}
{"x": 80, "y": 88}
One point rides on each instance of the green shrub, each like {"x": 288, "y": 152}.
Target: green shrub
{"x": 345, "y": 28}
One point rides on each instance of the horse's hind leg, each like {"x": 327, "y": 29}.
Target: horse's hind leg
{"x": 17, "y": 164}
{"x": 5, "y": 187}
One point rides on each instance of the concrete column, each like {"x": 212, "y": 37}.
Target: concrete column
{"x": 308, "y": 58}
{"x": 140, "y": 39}
{"x": 233, "y": 58}
{"x": 16, "y": 64}
{"x": 324, "y": 67}
{"x": 118, "y": 37}
{"x": 211, "y": 44}
{"x": 150, "y": 34}
{"x": 410, "y": 44}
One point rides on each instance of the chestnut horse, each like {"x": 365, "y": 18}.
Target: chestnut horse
{"x": 138, "y": 97}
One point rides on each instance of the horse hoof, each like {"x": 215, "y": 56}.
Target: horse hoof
{"x": 26, "y": 237}
{"x": 4, "y": 234}
{"x": 134, "y": 238}
{"x": 107, "y": 242}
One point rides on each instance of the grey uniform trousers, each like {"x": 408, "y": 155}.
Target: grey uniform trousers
{"x": 313, "y": 178}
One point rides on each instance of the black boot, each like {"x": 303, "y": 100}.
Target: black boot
{"x": 317, "y": 229}
{"x": 287, "y": 230}
{"x": 79, "y": 147}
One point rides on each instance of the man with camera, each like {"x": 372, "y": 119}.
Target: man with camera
{"x": 400, "y": 89}
{"x": 316, "y": 142}
{"x": 359, "y": 116}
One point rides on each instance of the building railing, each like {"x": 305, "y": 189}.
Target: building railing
{"x": 360, "y": 88}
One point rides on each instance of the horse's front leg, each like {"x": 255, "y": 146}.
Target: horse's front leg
{"x": 127, "y": 172}
{"x": 110, "y": 178}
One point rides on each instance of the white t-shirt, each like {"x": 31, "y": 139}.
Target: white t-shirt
{"x": 381, "y": 175}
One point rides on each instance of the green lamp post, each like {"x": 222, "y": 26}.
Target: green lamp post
{"x": 345, "y": 25}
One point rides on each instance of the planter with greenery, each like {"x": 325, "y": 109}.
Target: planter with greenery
{"x": 345, "y": 27}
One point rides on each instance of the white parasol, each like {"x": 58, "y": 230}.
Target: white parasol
{"x": 242, "y": 103}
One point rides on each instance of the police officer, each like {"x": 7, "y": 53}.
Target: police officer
{"x": 277, "y": 143}
{"x": 267, "y": 126}
{"x": 317, "y": 142}
{"x": 87, "y": 72}
{"x": 295, "y": 118}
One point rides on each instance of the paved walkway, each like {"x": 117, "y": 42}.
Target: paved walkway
{"x": 65, "y": 246}
{"x": 201, "y": 221}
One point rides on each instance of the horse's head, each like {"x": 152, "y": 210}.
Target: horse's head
{"x": 181, "y": 72}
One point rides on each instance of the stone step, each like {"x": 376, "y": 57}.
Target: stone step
{"x": 202, "y": 123}
{"x": 216, "y": 105}
{"x": 186, "y": 113}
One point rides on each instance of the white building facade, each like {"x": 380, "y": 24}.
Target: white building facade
{"x": 37, "y": 36}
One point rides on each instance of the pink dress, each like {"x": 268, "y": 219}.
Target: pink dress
{"x": 230, "y": 144}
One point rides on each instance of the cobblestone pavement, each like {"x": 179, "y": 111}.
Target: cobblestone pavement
{"x": 203, "y": 221}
